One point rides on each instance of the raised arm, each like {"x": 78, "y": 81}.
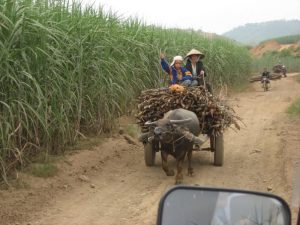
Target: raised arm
{"x": 165, "y": 65}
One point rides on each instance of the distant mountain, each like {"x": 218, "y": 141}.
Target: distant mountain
{"x": 254, "y": 33}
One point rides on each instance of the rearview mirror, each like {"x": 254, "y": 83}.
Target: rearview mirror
{"x": 187, "y": 205}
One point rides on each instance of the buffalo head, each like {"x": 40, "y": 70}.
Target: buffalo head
{"x": 165, "y": 130}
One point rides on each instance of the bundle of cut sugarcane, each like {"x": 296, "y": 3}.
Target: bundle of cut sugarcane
{"x": 272, "y": 77}
{"x": 275, "y": 76}
{"x": 213, "y": 114}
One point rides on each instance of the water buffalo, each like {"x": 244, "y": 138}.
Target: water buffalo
{"x": 177, "y": 132}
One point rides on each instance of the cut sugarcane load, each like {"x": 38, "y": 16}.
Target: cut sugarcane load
{"x": 214, "y": 114}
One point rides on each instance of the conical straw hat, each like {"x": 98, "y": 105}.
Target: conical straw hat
{"x": 195, "y": 52}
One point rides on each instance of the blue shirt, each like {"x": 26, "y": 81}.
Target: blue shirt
{"x": 176, "y": 76}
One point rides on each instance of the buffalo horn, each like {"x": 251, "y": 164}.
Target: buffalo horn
{"x": 149, "y": 123}
{"x": 180, "y": 121}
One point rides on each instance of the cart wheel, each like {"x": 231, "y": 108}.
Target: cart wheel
{"x": 149, "y": 154}
{"x": 219, "y": 151}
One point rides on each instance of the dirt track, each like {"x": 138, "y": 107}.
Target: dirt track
{"x": 119, "y": 189}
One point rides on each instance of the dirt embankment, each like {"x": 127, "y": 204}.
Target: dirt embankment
{"x": 110, "y": 185}
{"x": 274, "y": 46}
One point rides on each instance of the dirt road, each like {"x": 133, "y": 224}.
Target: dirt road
{"x": 110, "y": 184}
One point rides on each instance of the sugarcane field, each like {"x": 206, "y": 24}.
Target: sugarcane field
{"x": 108, "y": 106}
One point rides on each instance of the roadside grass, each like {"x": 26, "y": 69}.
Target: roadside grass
{"x": 294, "y": 108}
{"x": 269, "y": 60}
{"x": 86, "y": 143}
{"x": 43, "y": 169}
{"x": 297, "y": 77}
{"x": 243, "y": 86}
{"x": 132, "y": 130}
{"x": 44, "y": 164}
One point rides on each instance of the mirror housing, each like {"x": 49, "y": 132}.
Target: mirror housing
{"x": 193, "y": 205}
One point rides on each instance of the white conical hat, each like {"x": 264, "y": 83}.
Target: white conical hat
{"x": 195, "y": 52}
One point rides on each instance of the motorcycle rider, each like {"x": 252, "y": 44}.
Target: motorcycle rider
{"x": 284, "y": 70}
{"x": 265, "y": 74}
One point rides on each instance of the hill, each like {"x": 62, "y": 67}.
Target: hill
{"x": 254, "y": 33}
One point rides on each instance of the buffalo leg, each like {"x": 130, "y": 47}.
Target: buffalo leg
{"x": 164, "y": 157}
{"x": 190, "y": 169}
{"x": 179, "y": 176}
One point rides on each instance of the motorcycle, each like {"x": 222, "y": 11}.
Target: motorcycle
{"x": 194, "y": 205}
{"x": 280, "y": 69}
{"x": 265, "y": 83}
{"x": 284, "y": 71}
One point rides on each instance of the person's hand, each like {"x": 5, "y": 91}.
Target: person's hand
{"x": 162, "y": 55}
{"x": 202, "y": 73}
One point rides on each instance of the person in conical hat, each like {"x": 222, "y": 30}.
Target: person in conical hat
{"x": 196, "y": 67}
{"x": 195, "y": 52}
{"x": 178, "y": 74}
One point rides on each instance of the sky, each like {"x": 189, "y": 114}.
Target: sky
{"x": 216, "y": 16}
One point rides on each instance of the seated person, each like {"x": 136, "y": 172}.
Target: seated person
{"x": 178, "y": 73}
{"x": 195, "y": 65}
